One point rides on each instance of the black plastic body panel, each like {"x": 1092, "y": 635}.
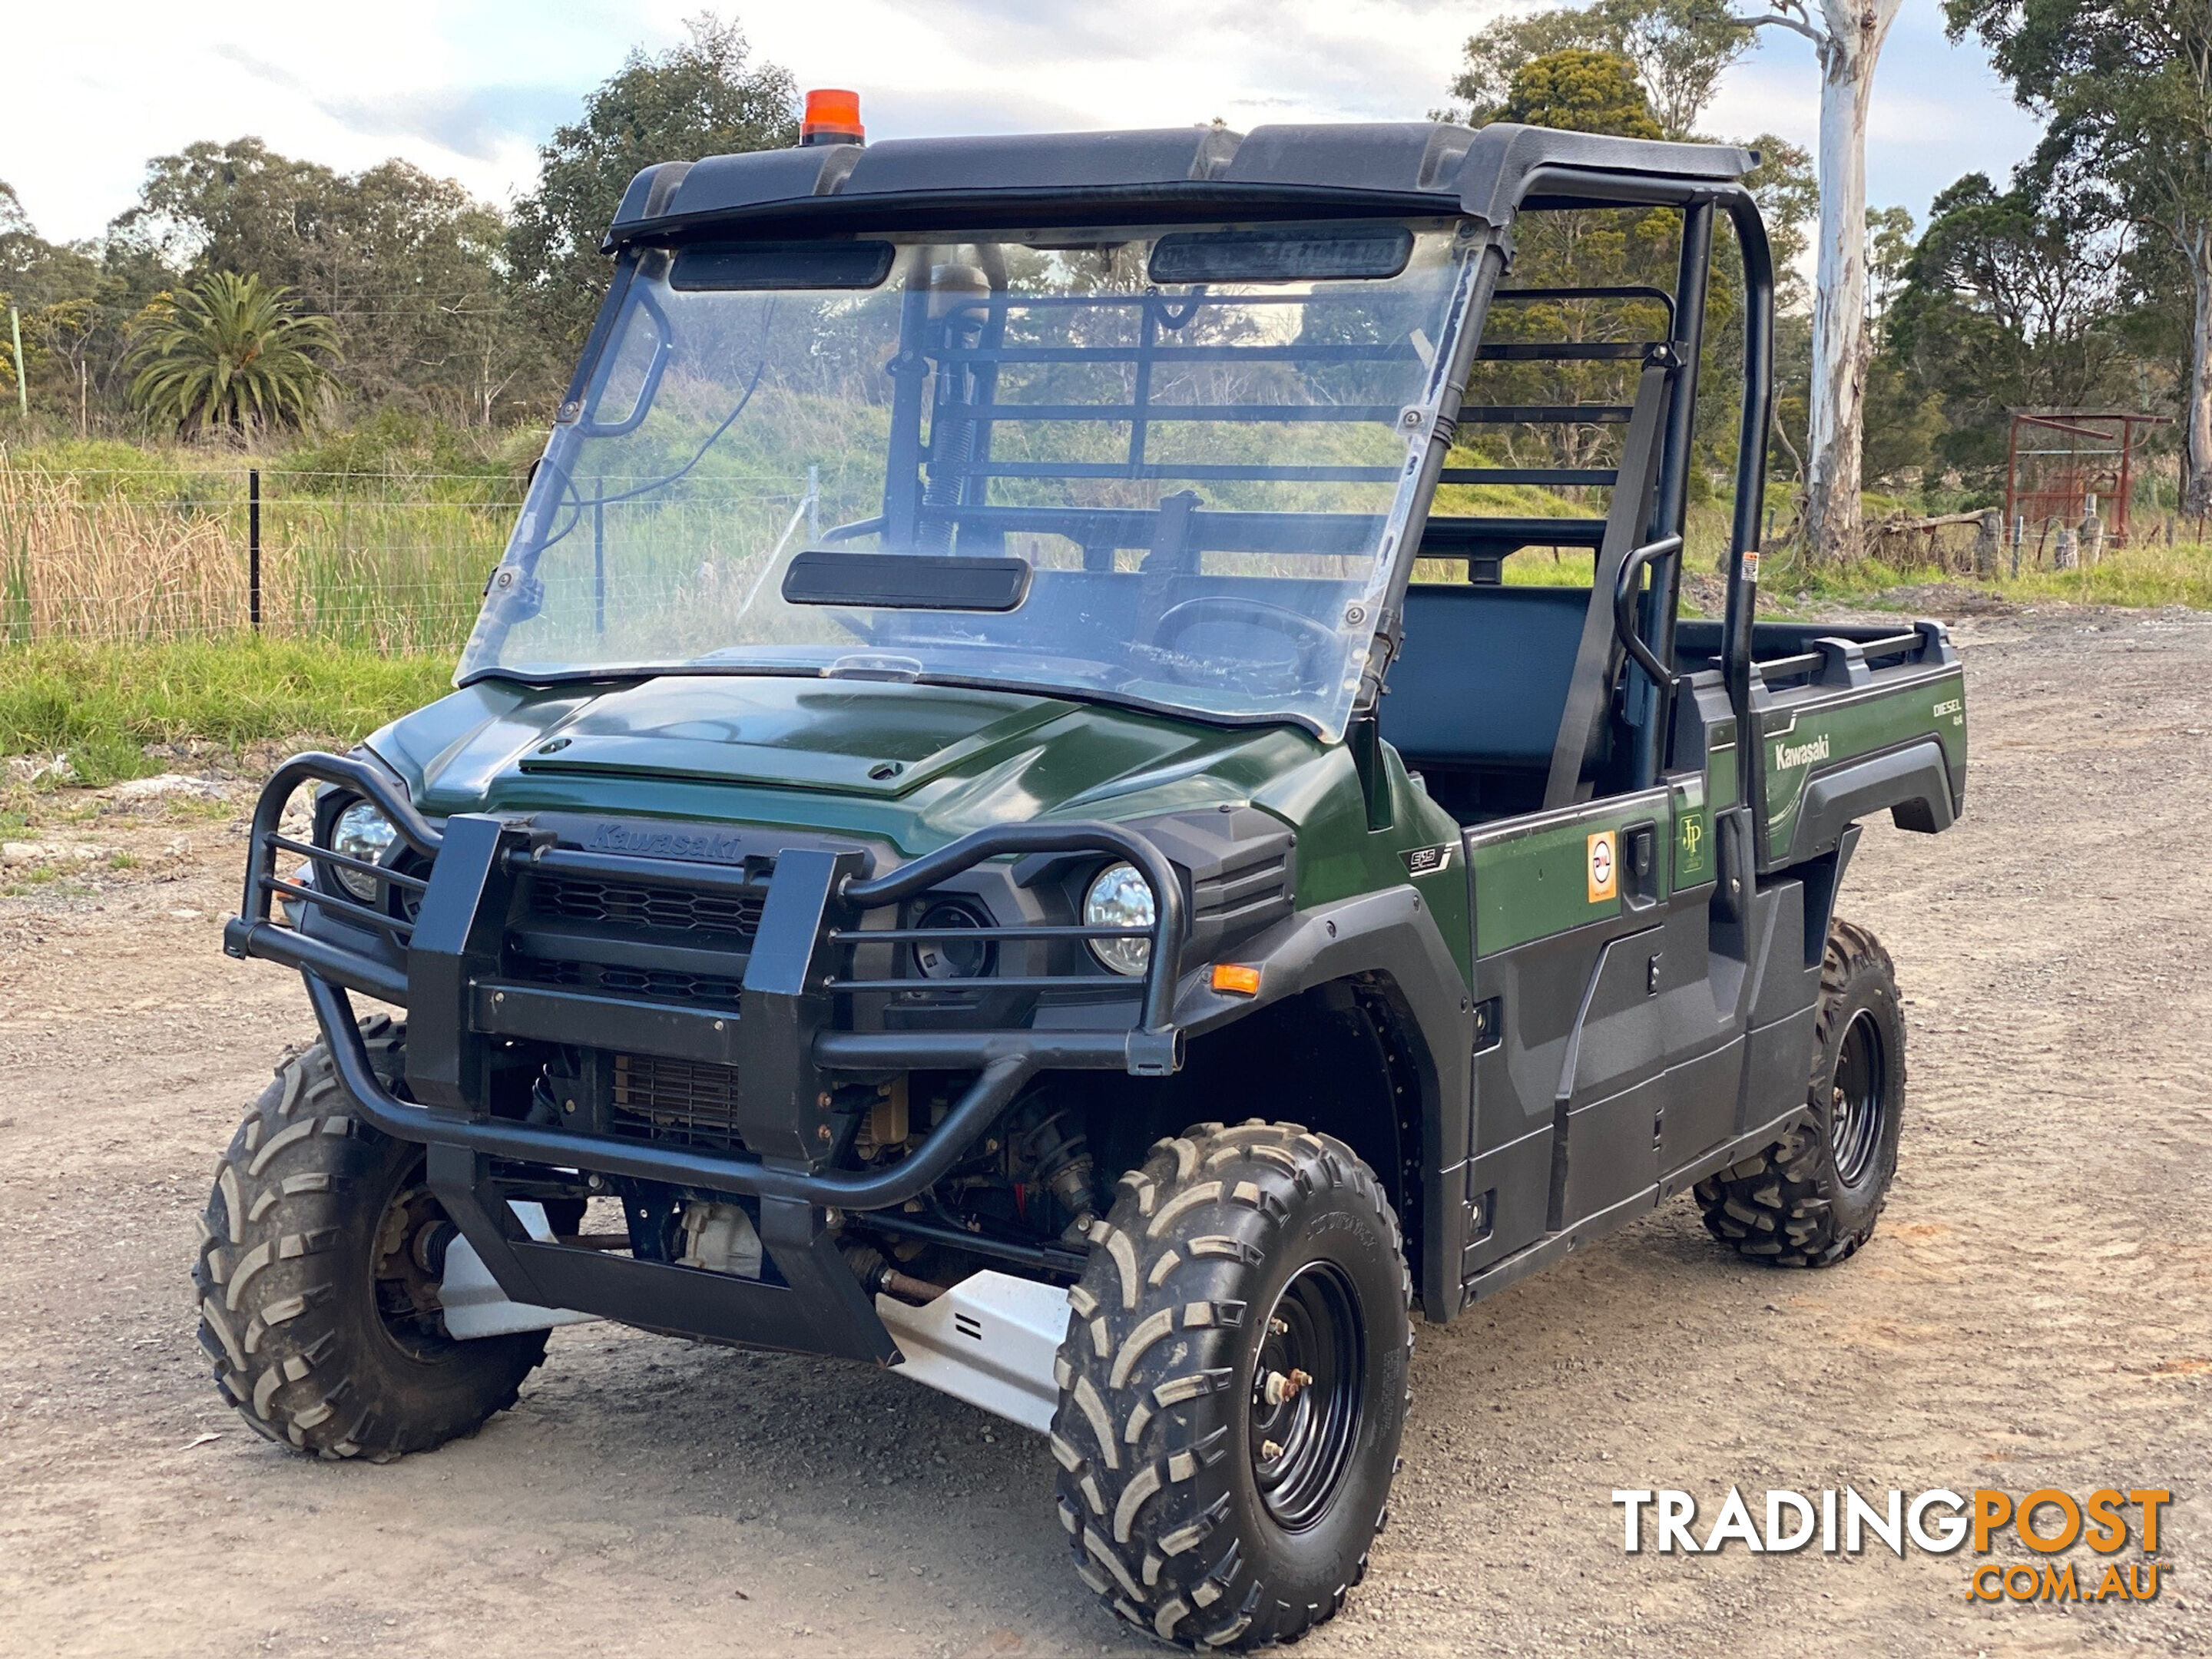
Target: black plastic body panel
{"x": 1391, "y": 938}
{"x": 1339, "y": 167}
{"x": 1670, "y": 1050}
{"x": 1912, "y": 783}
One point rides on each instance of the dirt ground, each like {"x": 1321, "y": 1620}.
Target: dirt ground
{"x": 2036, "y": 1309}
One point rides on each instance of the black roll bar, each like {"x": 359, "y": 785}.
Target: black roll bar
{"x": 919, "y": 874}
{"x": 1750, "y": 488}
{"x": 1593, "y": 187}
{"x": 990, "y": 1094}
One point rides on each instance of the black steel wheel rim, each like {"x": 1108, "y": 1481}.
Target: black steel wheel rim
{"x": 1859, "y": 1103}
{"x": 1307, "y": 1388}
{"x": 406, "y": 1267}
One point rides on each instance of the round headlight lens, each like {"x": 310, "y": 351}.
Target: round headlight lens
{"x": 1121, "y": 897}
{"x": 362, "y": 832}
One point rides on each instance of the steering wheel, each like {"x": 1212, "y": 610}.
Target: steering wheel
{"x": 1312, "y": 639}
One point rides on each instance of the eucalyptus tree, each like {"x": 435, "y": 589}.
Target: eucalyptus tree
{"x": 706, "y": 96}
{"x": 2127, "y": 86}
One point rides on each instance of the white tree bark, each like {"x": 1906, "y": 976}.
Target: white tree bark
{"x": 1848, "y": 39}
{"x": 2197, "y": 432}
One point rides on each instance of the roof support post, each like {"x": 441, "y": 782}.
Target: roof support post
{"x": 1750, "y": 489}
{"x": 1651, "y": 705}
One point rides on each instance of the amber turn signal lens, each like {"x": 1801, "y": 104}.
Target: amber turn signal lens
{"x": 1235, "y": 981}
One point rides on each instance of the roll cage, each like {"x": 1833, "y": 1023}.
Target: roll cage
{"x": 1486, "y": 178}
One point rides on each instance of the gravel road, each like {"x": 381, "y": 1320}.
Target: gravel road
{"x": 2036, "y": 1309}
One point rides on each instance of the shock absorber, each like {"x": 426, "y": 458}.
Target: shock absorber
{"x": 1056, "y": 1149}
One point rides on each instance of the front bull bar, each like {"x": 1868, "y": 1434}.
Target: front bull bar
{"x": 783, "y": 1035}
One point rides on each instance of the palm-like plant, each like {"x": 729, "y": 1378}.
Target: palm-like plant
{"x": 230, "y": 351}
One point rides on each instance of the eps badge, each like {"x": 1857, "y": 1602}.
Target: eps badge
{"x": 1427, "y": 860}
{"x": 1604, "y": 866}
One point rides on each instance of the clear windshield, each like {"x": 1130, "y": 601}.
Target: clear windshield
{"x": 1200, "y": 444}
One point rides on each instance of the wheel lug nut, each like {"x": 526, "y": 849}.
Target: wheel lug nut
{"x": 1269, "y": 1451}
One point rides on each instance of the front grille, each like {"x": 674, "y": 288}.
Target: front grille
{"x": 658, "y": 984}
{"x": 713, "y": 918}
{"x": 675, "y": 1103}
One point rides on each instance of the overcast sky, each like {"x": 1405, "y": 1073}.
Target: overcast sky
{"x": 467, "y": 88}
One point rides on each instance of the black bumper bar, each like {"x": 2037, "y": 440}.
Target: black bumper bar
{"x": 993, "y": 1090}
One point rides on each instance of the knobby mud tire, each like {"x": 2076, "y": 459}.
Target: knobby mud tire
{"x": 286, "y": 1287}
{"x": 1792, "y": 1205}
{"x": 1159, "y": 1482}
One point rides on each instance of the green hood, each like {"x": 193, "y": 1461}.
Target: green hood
{"x": 917, "y": 765}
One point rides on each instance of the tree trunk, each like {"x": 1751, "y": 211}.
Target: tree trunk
{"x": 1853, "y": 31}
{"x": 2198, "y": 486}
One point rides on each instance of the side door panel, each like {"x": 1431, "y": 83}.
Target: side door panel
{"x": 1615, "y": 1052}
{"x": 1549, "y": 904}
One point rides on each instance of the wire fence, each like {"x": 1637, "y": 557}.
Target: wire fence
{"x": 398, "y": 564}
{"x": 392, "y": 564}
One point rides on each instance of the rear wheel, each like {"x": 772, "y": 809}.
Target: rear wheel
{"x": 321, "y": 1257}
{"x": 1233, "y": 1386}
{"x": 1813, "y": 1198}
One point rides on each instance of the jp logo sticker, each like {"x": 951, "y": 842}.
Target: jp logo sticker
{"x": 1604, "y": 867}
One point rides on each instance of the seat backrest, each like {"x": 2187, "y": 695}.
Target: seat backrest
{"x": 1482, "y": 678}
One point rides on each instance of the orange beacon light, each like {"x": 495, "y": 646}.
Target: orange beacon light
{"x": 833, "y": 117}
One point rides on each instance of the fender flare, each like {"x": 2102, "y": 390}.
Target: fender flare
{"x": 1912, "y": 782}
{"x": 1388, "y": 934}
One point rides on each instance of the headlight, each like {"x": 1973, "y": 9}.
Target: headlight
{"x": 362, "y": 832}
{"x": 1121, "y": 897}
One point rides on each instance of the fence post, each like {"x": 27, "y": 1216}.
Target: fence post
{"x": 1985, "y": 544}
{"x": 22, "y": 385}
{"x": 2019, "y": 535}
{"x": 253, "y": 547}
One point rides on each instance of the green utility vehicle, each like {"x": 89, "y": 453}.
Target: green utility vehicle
{"x": 1013, "y": 813}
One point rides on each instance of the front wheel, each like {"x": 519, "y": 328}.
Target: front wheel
{"x": 1233, "y": 1386}
{"x": 1813, "y": 1198}
{"x": 321, "y": 1252}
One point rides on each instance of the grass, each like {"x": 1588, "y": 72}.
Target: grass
{"x": 101, "y": 705}
{"x": 153, "y": 555}
{"x": 2139, "y": 577}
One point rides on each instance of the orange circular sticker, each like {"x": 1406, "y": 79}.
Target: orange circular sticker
{"x": 1604, "y": 867}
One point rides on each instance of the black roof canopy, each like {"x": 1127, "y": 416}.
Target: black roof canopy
{"x": 1175, "y": 172}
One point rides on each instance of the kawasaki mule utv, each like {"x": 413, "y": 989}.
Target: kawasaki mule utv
{"x": 1003, "y": 819}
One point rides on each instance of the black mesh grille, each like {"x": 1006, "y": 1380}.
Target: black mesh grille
{"x": 675, "y": 1103}
{"x": 658, "y": 983}
{"x": 720, "y": 917}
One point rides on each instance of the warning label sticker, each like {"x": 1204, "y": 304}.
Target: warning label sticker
{"x": 1604, "y": 866}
